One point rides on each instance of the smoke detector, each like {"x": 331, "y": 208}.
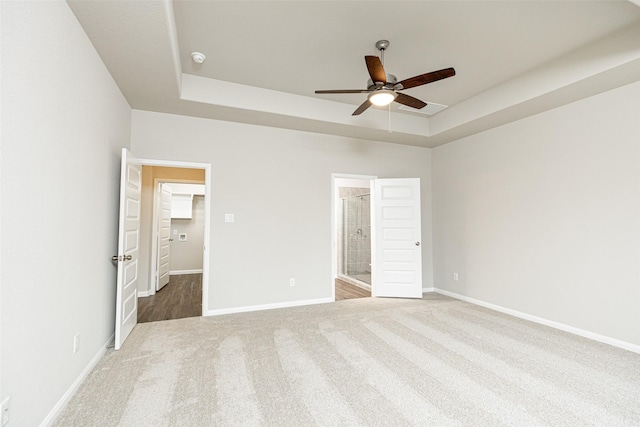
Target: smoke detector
{"x": 198, "y": 57}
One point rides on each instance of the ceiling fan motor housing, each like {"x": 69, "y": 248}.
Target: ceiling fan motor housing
{"x": 390, "y": 83}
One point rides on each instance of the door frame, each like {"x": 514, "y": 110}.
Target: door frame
{"x": 207, "y": 222}
{"x": 334, "y": 224}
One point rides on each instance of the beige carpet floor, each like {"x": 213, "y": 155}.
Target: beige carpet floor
{"x": 366, "y": 362}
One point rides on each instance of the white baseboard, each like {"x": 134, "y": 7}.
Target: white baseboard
{"x": 179, "y": 272}
{"x": 431, "y": 289}
{"x": 66, "y": 397}
{"x": 143, "y": 294}
{"x": 272, "y": 306}
{"x": 557, "y": 325}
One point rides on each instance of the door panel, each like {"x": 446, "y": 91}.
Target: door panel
{"x": 397, "y": 257}
{"x": 164, "y": 235}
{"x": 128, "y": 247}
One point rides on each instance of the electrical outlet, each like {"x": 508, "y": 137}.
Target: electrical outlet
{"x": 4, "y": 411}
{"x": 76, "y": 343}
{"x": 292, "y": 281}
{"x": 455, "y": 276}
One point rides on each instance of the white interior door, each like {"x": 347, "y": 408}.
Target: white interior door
{"x": 396, "y": 233}
{"x": 128, "y": 247}
{"x": 164, "y": 235}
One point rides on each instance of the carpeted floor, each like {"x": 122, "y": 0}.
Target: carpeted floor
{"x": 365, "y": 362}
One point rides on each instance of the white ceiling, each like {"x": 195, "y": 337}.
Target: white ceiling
{"x": 266, "y": 58}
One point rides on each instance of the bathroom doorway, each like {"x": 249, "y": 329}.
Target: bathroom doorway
{"x": 352, "y": 236}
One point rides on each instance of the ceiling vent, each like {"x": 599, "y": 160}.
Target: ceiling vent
{"x": 431, "y": 109}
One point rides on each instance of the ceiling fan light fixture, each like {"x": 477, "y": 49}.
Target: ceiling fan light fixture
{"x": 382, "y": 97}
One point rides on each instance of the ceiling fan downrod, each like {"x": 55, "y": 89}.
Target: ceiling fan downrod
{"x": 382, "y": 45}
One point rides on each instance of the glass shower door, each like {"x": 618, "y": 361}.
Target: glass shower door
{"x": 357, "y": 238}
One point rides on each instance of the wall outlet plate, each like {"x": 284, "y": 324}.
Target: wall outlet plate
{"x": 76, "y": 343}
{"x": 4, "y": 411}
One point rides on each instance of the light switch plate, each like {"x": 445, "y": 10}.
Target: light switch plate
{"x": 229, "y": 218}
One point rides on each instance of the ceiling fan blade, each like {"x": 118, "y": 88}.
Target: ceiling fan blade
{"x": 366, "y": 104}
{"x": 376, "y": 70}
{"x": 423, "y": 79}
{"x": 410, "y": 101}
{"x": 344, "y": 91}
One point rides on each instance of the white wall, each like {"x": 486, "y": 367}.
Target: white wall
{"x": 278, "y": 184}
{"x": 542, "y": 215}
{"x": 64, "y": 122}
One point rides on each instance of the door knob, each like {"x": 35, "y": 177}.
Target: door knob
{"x": 115, "y": 258}
{"x": 127, "y": 257}
{"x": 417, "y": 243}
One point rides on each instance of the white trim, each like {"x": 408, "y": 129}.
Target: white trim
{"x": 179, "y": 272}
{"x": 557, "y": 325}
{"x": 334, "y": 232}
{"x": 174, "y": 164}
{"x": 66, "y": 397}
{"x": 142, "y": 294}
{"x": 272, "y": 306}
{"x": 155, "y": 219}
{"x": 431, "y": 289}
{"x": 207, "y": 218}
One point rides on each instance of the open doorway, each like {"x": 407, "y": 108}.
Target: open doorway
{"x": 174, "y": 221}
{"x": 391, "y": 264}
{"x": 352, "y": 236}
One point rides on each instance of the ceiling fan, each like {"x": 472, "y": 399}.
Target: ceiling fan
{"x": 383, "y": 88}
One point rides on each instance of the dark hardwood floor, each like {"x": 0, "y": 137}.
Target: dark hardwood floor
{"x": 346, "y": 290}
{"x": 181, "y": 297}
